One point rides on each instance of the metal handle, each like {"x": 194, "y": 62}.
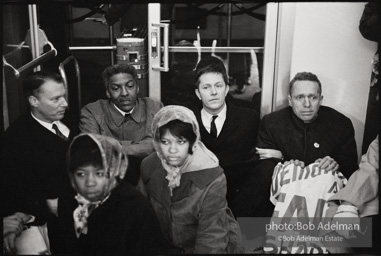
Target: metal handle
{"x": 32, "y": 64}
{"x": 155, "y": 44}
{"x": 77, "y": 74}
{"x": 6, "y": 64}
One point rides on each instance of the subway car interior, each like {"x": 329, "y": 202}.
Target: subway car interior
{"x": 262, "y": 45}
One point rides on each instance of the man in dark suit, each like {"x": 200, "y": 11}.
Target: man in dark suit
{"x": 230, "y": 133}
{"x": 33, "y": 155}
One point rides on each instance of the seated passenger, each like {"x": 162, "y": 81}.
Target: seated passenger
{"x": 32, "y": 159}
{"x": 187, "y": 187}
{"x": 230, "y": 133}
{"x": 307, "y": 132}
{"x": 123, "y": 116}
{"x": 106, "y": 215}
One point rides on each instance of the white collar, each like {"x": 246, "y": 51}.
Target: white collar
{"x": 221, "y": 115}
{"x": 61, "y": 126}
{"x": 122, "y": 112}
{"x": 43, "y": 123}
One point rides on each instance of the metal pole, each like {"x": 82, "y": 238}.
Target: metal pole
{"x": 111, "y": 34}
{"x": 229, "y": 35}
{"x": 33, "y": 29}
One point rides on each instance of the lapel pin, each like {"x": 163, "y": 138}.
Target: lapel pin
{"x": 316, "y": 145}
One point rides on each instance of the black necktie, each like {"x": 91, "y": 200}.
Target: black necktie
{"x": 213, "y": 128}
{"x": 59, "y": 133}
{"x": 127, "y": 116}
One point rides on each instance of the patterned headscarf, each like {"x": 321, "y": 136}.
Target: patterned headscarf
{"x": 201, "y": 158}
{"x": 115, "y": 164}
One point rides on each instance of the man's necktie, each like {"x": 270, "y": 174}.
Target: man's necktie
{"x": 213, "y": 128}
{"x": 59, "y": 133}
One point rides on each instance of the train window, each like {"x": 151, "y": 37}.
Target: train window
{"x": 232, "y": 32}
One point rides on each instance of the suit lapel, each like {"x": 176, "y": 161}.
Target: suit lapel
{"x": 72, "y": 123}
{"x": 43, "y": 137}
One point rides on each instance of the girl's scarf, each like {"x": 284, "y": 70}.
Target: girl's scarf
{"x": 201, "y": 158}
{"x": 115, "y": 164}
{"x": 82, "y": 213}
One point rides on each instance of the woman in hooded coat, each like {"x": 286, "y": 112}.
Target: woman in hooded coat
{"x": 105, "y": 216}
{"x": 187, "y": 187}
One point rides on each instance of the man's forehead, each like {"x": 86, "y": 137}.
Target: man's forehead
{"x": 122, "y": 82}
{"x": 305, "y": 87}
{"x": 51, "y": 87}
{"x": 121, "y": 79}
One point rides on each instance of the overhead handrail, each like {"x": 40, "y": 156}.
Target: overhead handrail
{"x": 211, "y": 49}
{"x": 231, "y": 49}
{"x": 61, "y": 68}
{"x": 30, "y": 65}
{"x": 85, "y": 48}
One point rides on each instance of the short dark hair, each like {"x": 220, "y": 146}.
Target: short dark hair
{"x": 83, "y": 152}
{"x": 305, "y": 76}
{"x": 117, "y": 69}
{"x": 180, "y": 130}
{"x": 32, "y": 83}
{"x": 210, "y": 64}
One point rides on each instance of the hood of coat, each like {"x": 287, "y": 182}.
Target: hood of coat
{"x": 201, "y": 158}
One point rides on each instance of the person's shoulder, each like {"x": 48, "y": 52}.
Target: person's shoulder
{"x": 96, "y": 108}
{"x": 333, "y": 114}
{"x": 242, "y": 114}
{"x": 150, "y": 106}
{"x": 149, "y": 165}
{"x": 278, "y": 114}
{"x": 149, "y": 102}
{"x": 20, "y": 124}
{"x": 150, "y": 159}
{"x": 242, "y": 110}
{"x": 96, "y": 105}
{"x": 203, "y": 178}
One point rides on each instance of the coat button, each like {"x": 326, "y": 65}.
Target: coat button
{"x": 316, "y": 145}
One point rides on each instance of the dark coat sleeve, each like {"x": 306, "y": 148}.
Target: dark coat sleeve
{"x": 265, "y": 138}
{"x": 238, "y": 171}
{"x": 346, "y": 153}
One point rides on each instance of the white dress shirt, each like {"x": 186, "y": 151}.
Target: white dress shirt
{"x": 206, "y": 119}
{"x": 61, "y": 126}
